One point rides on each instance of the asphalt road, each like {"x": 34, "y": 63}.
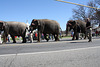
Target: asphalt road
{"x": 64, "y": 53}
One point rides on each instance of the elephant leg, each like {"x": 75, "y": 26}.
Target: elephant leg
{"x": 4, "y": 38}
{"x": 13, "y": 37}
{"x": 39, "y": 36}
{"x": 85, "y": 35}
{"x": 57, "y": 37}
{"x": 24, "y": 39}
{"x": 77, "y": 36}
{"x": 45, "y": 36}
{"x": 73, "y": 37}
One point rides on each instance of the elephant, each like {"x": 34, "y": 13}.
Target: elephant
{"x": 75, "y": 25}
{"x": 14, "y": 29}
{"x": 46, "y": 27}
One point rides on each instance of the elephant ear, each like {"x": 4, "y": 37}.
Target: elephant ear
{"x": 33, "y": 22}
{"x": 4, "y": 23}
{"x": 1, "y": 25}
{"x": 68, "y": 23}
{"x": 38, "y": 23}
{"x": 74, "y": 23}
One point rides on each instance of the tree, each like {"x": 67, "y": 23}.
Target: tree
{"x": 97, "y": 2}
{"x": 97, "y": 14}
{"x": 91, "y": 11}
{"x": 81, "y": 13}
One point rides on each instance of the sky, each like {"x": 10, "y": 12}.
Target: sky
{"x": 23, "y": 10}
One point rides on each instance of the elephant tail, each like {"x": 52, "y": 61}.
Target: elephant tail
{"x": 67, "y": 30}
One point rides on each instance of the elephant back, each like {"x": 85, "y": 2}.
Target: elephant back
{"x": 80, "y": 22}
{"x": 47, "y": 21}
{"x": 50, "y": 25}
{"x": 16, "y": 28}
{"x": 18, "y": 24}
{"x": 82, "y": 25}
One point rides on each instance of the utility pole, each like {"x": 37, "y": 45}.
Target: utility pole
{"x": 78, "y": 4}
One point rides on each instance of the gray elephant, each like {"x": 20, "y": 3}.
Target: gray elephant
{"x": 77, "y": 26}
{"x": 46, "y": 27}
{"x": 14, "y": 29}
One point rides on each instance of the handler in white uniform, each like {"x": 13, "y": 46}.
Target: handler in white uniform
{"x": 1, "y": 33}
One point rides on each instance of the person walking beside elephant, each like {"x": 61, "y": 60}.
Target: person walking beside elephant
{"x": 8, "y": 37}
{"x": 60, "y": 33}
{"x": 89, "y": 29}
{"x": 31, "y": 36}
{"x": 0, "y": 37}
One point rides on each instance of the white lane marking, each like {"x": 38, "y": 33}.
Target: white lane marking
{"x": 4, "y": 55}
{"x": 59, "y": 51}
{"x": 47, "y": 52}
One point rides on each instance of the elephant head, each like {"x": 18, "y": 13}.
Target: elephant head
{"x": 2, "y": 25}
{"x": 34, "y": 24}
{"x": 70, "y": 25}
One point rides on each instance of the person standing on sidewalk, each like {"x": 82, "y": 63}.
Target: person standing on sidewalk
{"x": 31, "y": 36}
{"x": 89, "y": 29}
{"x": 0, "y": 38}
{"x": 1, "y": 33}
{"x": 8, "y": 37}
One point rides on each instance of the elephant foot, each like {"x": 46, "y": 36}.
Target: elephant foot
{"x": 81, "y": 38}
{"x": 84, "y": 38}
{"x": 14, "y": 42}
{"x": 3, "y": 42}
{"x": 47, "y": 40}
{"x": 77, "y": 38}
{"x": 57, "y": 40}
{"x": 38, "y": 41}
{"x": 73, "y": 39}
{"x": 23, "y": 42}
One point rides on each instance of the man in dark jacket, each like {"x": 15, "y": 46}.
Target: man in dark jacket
{"x": 89, "y": 30}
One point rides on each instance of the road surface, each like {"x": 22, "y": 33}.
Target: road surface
{"x": 65, "y": 53}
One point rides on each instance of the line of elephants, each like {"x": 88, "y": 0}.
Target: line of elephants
{"x": 44, "y": 26}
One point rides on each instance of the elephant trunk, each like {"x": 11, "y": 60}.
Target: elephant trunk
{"x": 67, "y": 30}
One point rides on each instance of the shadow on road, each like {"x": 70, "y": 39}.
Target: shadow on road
{"x": 61, "y": 40}
{"x": 79, "y": 42}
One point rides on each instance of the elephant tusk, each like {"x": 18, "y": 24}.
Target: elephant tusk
{"x": 69, "y": 24}
{"x": 33, "y": 24}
